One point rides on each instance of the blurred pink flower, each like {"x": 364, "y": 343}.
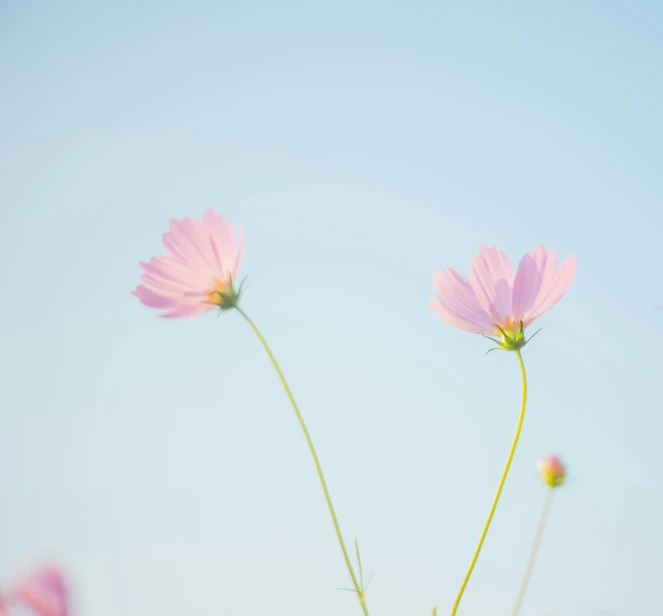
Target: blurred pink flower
{"x": 552, "y": 471}
{"x": 495, "y": 301}
{"x": 199, "y": 272}
{"x": 45, "y": 592}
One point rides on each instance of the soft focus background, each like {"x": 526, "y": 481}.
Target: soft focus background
{"x": 361, "y": 145}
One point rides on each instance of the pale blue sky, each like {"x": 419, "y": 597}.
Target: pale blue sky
{"x": 361, "y": 145}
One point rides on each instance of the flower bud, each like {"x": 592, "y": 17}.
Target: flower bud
{"x": 552, "y": 471}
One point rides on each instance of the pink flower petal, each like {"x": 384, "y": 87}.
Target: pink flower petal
{"x": 168, "y": 290}
{"x": 188, "y": 311}
{"x": 222, "y": 240}
{"x": 492, "y": 280}
{"x": 554, "y": 287}
{"x": 45, "y": 593}
{"x": 240, "y": 254}
{"x": 186, "y": 241}
{"x": 152, "y": 299}
{"x": 171, "y": 268}
{"x": 458, "y": 305}
{"x": 202, "y": 239}
{"x": 497, "y": 297}
{"x": 528, "y": 281}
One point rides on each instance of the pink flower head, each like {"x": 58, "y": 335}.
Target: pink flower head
{"x": 199, "y": 272}
{"x": 44, "y": 592}
{"x": 552, "y": 471}
{"x": 496, "y": 302}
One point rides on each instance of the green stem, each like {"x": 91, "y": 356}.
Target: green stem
{"x": 521, "y": 417}
{"x": 309, "y": 442}
{"x": 532, "y": 554}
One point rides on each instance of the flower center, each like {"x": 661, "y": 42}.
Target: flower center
{"x": 508, "y": 327}
{"x": 511, "y": 334}
{"x": 221, "y": 292}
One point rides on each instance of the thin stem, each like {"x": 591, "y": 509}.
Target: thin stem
{"x": 309, "y": 442}
{"x": 521, "y": 417}
{"x": 533, "y": 551}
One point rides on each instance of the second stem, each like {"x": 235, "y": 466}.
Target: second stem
{"x": 512, "y": 451}
{"x": 318, "y": 468}
{"x": 533, "y": 551}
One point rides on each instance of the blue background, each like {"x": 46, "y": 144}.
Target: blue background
{"x": 362, "y": 146}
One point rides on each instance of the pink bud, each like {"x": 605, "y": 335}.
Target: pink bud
{"x": 552, "y": 471}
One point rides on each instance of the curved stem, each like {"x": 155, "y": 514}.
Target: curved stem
{"x": 521, "y": 417}
{"x": 532, "y": 554}
{"x": 318, "y": 468}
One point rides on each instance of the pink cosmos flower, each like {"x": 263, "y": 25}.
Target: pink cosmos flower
{"x": 199, "y": 272}
{"x": 44, "y": 592}
{"x": 552, "y": 471}
{"x": 495, "y": 301}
